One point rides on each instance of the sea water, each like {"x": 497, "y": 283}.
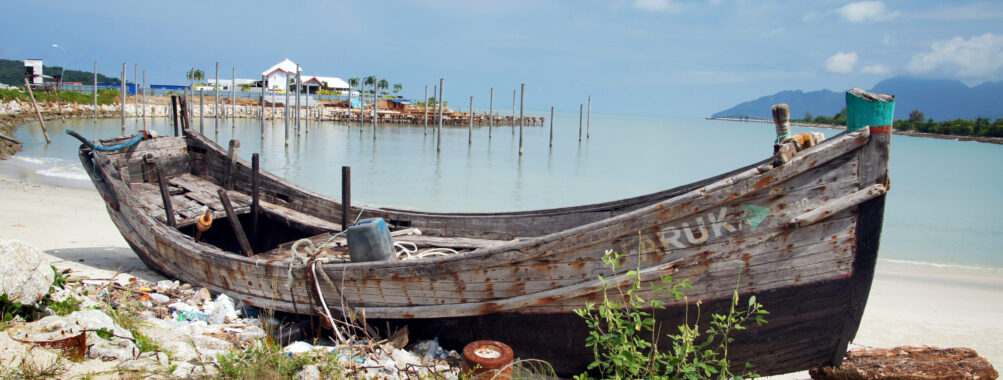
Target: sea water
{"x": 943, "y": 207}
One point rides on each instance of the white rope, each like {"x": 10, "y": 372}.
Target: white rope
{"x": 404, "y": 253}
{"x": 327, "y": 312}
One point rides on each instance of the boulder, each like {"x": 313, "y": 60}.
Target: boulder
{"x": 25, "y": 276}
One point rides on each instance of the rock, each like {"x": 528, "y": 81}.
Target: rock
{"x": 309, "y": 372}
{"x": 907, "y": 362}
{"x": 25, "y": 276}
{"x": 147, "y": 362}
{"x": 118, "y": 347}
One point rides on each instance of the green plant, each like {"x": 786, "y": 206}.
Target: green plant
{"x": 624, "y": 336}
{"x": 266, "y": 360}
{"x": 30, "y": 370}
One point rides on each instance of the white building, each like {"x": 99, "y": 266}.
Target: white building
{"x": 225, "y": 84}
{"x": 277, "y": 77}
{"x": 314, "y": 83}
{"x": 33, "y": 67}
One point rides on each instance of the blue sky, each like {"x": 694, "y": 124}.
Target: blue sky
{"x": 648, "y": 57}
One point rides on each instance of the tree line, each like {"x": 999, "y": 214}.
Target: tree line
{"x": 12, "y": 73}
{"x": 917, "y": 121}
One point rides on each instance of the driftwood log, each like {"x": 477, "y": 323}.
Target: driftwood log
{"x": 909, "y": 363}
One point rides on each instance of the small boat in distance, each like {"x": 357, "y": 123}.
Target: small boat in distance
{"x": 799, "y": 231}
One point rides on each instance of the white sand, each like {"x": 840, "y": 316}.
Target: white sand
{"x": 909, "y": 304}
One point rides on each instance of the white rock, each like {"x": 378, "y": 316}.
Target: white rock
{"x": 25, "y": 276}
{"x": 309, "y": 372}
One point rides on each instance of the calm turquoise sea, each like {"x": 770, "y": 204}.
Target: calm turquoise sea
{"x": 944, "y": 207}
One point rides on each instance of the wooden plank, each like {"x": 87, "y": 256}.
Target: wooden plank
{"x": 245, "y": 246}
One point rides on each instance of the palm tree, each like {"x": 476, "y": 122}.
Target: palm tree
{"x": 398, "y": 87}
{"x": 371, "y": 81}
{"x": 383, "y": 85}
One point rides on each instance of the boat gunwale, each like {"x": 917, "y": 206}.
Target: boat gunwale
{"x": 497, "y": 254}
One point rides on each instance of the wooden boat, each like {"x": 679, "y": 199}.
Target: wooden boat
{"x": 801, "y": 236}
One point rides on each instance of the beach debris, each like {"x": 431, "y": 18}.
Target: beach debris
{"x": 25, "y": 276}
{"x": 909, "y": 362}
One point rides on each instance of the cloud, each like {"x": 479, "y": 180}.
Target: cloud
{"x": 974, "y": 11}
{"x": 656, "y": 5}
{"x": 842, "y": 62}
{"x": 875, "y": 69}
{"x": 976, "y": 57}
{"x": 866, "y": 11}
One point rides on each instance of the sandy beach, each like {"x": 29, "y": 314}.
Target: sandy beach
{"x": 910, "y": 304}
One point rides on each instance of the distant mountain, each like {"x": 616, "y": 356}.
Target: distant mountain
{"x": 940, "y": 99}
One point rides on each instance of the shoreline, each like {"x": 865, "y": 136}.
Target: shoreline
{"x": 909, "y": 303}
{"x": 981, "y": 139}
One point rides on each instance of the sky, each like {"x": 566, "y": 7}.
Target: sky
{"x": 670, "y": 58}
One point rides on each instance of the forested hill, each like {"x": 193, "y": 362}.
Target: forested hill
{"x": 12, "y": 73}
{"x": 939, "y": 99}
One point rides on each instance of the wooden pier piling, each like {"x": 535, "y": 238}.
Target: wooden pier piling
{"x": 215, "y": 110}
{"x": 201, "y": 102}
{"x": 491, "y": 112}
{"x": 588, "y": 121}
{"x": 425, "y": 117}
{"x": 121, "y": 105}
{"x": 438, "y": 132}
{"x": 522, "y": 105}
{"x": 470, "y": 127}
{"x": 95, "y": 89}
{"x": 551, "y": 126}
{"x": 38, "y": 113}
{"x": 580, "y": 110}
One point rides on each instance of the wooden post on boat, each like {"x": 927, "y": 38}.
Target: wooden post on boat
{"x": 551, "y": 126}
{"x": 215, "y": 109}
{"x": 95, "y": 88}
{"x": 438, "y": 137}
{"x": 580, "y": 110}
{"x": 588, "y": 121}
{"x": 165, "y": 194}
{"x": 875, "y": 112}
{"x": 470, "y": 127}
{"x": 174, "y": 114}
{"x": 186, "y": 116}
{"x": 491, "y": 112}
{"x": 255, "y": 194}
{"x": 346, "y": 194}
{"x": 37, "y": 112}
{"x": 238, "y": 230}
{"x": 782, "y": 120}
{"x": 522, "y": 104}
{"x": 121, "y": 87}
{"x": 425, "y": 117}
{"x": 231, "y": 167}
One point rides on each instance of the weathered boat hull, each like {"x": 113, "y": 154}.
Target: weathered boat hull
{"x": 802, "y": 237}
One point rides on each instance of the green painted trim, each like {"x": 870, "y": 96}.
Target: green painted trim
{"x": 861, "y": 112}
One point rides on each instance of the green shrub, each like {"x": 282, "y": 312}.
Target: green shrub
{"x": 624, "y": 335}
